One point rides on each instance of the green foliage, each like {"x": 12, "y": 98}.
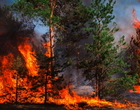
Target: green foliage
{"x": 36, "y": 9}
{"x": 74, "y": 21}
{"x": 104, "y": 57}
{"x": 51, "y": 73}
{"x": 121, "y": 84}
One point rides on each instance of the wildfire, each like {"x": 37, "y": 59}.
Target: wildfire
{"x": 136, "y": 22}
{"x": 33, "y": 68}
{"x": 137, "y": 89}
{"x": 29, "y": 57}
{"x": 136, "y": 25}
{"x": 7, "y": 83}
{"x": 47, "y": 46}
{"x": 69, "y": 98}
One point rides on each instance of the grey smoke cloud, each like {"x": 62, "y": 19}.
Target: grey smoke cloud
{"x": 87, "y": 2}
{"x": 6, "y": 2}
{"x": 124, "y": 18}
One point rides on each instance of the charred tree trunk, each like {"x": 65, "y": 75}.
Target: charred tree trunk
{"x": 51, "y": 48}
{"x": 99, "y": 80}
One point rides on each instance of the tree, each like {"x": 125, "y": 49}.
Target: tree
{"x": 42, "y": 10}
{"x": 70, "y": 22}
{"x": 71, "y": 36}
{"x": 67, "y": 30}
{"x": 105, "y": 58}
{"x": 134, "y": 49}
{"x": 20, "y": 71}
{"x": 11, "y": 33}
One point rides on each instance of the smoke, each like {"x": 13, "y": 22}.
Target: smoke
{"x": 2, "y": 2}
{"x": 124, "y": 18}
{"x": 87, "y": 2}
{"x": 5, "y": 2}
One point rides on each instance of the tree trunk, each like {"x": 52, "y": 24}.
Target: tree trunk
{"x": 51, "y": 48}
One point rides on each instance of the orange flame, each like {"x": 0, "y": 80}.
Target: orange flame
{"x": 136, "y": 22}
{"x": 74, "y": 99}
{"x": 48, "y": 49}
{"x": 29, "y": 57}
{"x": 7, "y": 83}
{"x": 65, "y": 97}
{"x": 137, "y": 89}
{"x": 136, "y": 25}
{"x": 33, "y": 68}
{"x": 49, "y": 85}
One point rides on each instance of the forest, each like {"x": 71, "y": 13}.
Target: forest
{"x": 76, "y": 63}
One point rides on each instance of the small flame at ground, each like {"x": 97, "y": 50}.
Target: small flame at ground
{"x": 137, "y": 89}
{"x": 68, "y": 99}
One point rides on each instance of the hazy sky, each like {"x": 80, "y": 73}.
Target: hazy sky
{"x": 123, "y": 16}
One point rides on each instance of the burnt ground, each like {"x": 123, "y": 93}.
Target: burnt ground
{"x": 31, "y": 107}
{"x": 132, "y": 97}
{"x": 55, "y": 107}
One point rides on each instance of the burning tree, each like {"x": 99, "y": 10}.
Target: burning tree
{"x": 101, "y": 61}
{"x": 135, "y": 44}
{"x": 44, "y": 11}
{"x": 13, "y": 32}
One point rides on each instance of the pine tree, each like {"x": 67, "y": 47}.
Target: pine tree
{"x": 134, "y": 49}
{"x": 104, "y": 57}
{"x": 43, "y": 10}
{"x": 73, "y": 19}
{"x": 67, "y": 23}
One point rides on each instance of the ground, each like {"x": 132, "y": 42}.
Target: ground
{"x": 132, "y": 97}
{"x": 54, "y": 107}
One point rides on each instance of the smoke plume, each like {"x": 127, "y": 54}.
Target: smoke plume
{"x": 5, "y": 2}
{"x": 124, "y": 18}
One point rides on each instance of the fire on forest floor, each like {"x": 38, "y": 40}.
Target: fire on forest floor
{"x": 75, "y": 102}
{"x": 70, "y": 101}
{"x": 55, "y": 107}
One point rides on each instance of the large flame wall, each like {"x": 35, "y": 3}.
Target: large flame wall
{"x": 11, "y": 80}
